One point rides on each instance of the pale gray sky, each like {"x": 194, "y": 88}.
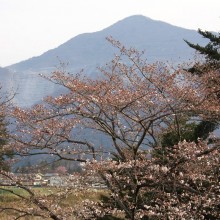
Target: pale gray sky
{"x": 30, "y": 27}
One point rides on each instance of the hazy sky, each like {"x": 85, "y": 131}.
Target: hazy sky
{"x": 30, "y": 27}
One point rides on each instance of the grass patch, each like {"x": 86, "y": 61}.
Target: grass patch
{"x": 72, "y": 198}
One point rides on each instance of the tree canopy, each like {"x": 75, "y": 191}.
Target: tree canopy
{"x": 131, "y": 106}
{"x": 211, "y": 51}
{"x": 5, "y": 153}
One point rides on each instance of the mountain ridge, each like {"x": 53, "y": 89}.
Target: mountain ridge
{"x": 87, "y": 51}
{"x": 131, "y": 31}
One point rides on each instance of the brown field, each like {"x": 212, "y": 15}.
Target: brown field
{"x": 74, "y": 198}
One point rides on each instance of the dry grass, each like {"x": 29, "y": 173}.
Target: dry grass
{"x": 74, "y": 198}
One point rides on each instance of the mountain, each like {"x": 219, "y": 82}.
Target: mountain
{"x": 160, "y": 40}
{"x": 6, "y": 79}
{"x": 4, "y": 73}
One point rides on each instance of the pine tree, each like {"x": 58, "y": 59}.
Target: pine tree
{"x": 212, "y": 62}
{"x": 211, "y": 52}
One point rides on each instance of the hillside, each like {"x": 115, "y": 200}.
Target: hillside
{"x": 160, "y": 40}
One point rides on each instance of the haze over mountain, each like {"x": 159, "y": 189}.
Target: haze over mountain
{"x": 4, "y": 73}
{"x": 6, "y": 79}
{"x": 160, "y": 40}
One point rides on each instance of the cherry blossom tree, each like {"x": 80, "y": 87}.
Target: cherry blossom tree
{"x": 61, "y": 170}
{"x": 114, "y": 124}
{"x": 5, "y": 152}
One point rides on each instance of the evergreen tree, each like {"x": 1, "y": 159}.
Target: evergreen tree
{"x": 212, "y": 62}
{"x": 211, "y": 52}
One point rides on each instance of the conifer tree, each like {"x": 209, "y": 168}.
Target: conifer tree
{"x": 211, "y": 52}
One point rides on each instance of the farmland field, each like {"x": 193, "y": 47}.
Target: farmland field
{"x": 9, "y": 200}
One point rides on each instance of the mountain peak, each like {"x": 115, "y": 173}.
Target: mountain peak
{"x": 137, "y": 18}
{"x": 131, "y": 21}
{"x": 160, "y": 40}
